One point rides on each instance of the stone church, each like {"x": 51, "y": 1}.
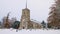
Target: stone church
{"x": 26, "y": 23}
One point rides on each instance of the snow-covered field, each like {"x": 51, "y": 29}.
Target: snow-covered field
{"x": 37, "y": 31}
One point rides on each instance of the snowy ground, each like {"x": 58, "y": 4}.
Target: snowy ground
{"x": 37, "y": 31}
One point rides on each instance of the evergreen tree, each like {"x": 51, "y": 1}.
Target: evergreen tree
{"x": 0, "y": 23}
{"x": 43, "y": 24}
{"x": 54, "y": 18}
{"x": 16, "y": 25}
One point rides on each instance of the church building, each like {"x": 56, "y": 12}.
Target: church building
{"x": 26, "y": 23}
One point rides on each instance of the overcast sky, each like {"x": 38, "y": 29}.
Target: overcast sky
{"x": 39, "y": 9}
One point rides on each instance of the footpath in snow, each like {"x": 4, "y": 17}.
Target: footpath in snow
{"x": 37, "y": 31}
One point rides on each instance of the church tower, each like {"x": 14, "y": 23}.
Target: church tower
{"x": 25, "y": 18}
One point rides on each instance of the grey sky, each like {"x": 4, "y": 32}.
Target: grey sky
{"x": 39, "y": 9}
